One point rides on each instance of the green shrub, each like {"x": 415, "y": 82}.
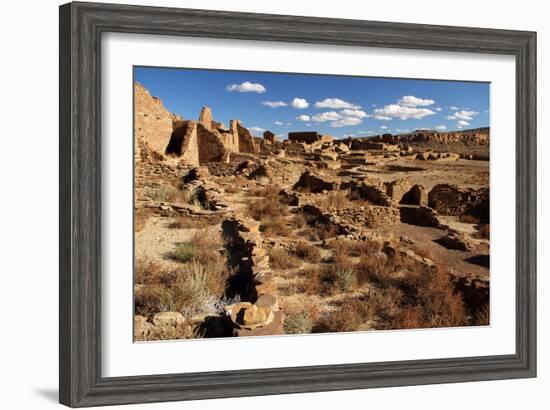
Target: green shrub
{"x": 298, "y": 323}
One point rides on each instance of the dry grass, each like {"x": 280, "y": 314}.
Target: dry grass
{"x": 276, "y": 226}
{"x": 279, "y": 258}
{"x": 312, "y": 280}
{"x": 298, "y": 323}
{"x": 186, "y": 222}
{"x": 307, "y": 252}
{"x": 168, "y": 194}
{"x": 186, "y": 289}
{"x": 482, "y": 316}
{"x": 261, "y": 209}
{"x": 347, "y": 318}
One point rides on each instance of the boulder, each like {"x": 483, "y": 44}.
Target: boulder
{"x": 455, "y": 240}
{"x": 168, "y": 319}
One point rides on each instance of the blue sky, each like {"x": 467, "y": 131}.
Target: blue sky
{"x": 337, "y": 105}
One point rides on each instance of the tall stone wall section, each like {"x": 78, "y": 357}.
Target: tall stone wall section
{"x": 152, "y": 121}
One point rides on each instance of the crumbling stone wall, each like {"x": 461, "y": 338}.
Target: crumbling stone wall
{"x": 210, "y": 146}
{"x": 246, "y": 140}
{"x": 152, "y": 121}
{"x": 397, "y": 189}
{"x": 417, "y": 195}
{"x": 449, "y": 199}
{"x": 314, "y": 184}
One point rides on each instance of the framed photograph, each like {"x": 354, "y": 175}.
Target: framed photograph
{"x": 261, "y": 204}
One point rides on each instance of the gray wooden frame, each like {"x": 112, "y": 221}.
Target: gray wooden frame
{"x": 81, "y": 27}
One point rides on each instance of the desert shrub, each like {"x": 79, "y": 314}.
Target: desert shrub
{"x": 428, "y": 301}
{"x": 298, "y": 323}
{"x": 147, "y": 272}
{"x": 168, "y": 194}
{"x": 336, "y": 277}
{"x": 279, "y": 258}
{"x": 345, "y": 279}
{"x": 307, "y": 252}
{"x": 311, "y": 282}
{"x": 275, "y": 226}
{"x": 184, "y": 252}
{"x": 264, "y": 208}
{"x": 347, "y": 318}
{"x": 174, "y": 333}
{"x": 482, "y": 316}
{"x": 298, "y": 221}
{"x": 185, "y": 222}
{"x": 268, "y": 191}
{"x": 374, "y": 268}
{"x": 483, "y": 231}
{"x": 367, "y": 246}
{"x": 189, "y": 294}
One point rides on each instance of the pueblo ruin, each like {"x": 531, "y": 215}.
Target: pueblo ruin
{"x": 237, "y": 235}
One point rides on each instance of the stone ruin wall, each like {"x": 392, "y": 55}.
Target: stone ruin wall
{"x": 152, "y": 121}
{"x": 451, "y": 200}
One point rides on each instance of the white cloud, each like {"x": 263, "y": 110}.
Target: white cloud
{"x": 438, "y": 109}
{"x": 453, "y": 108}
{"x": 346, "y": 122}
{"x": 451, "y": 117}
{"x": 402, "y": 112}
{"x": 463, "y": 123}
{"x": 299, "y": 103}
{"x": 246, "y": 87}
{"x": 336, "y": 103}
{"x": 256, "y": 129}
{"x": 354, "y": 113}
{"x": 382, "y": 117}
{"x": 465, "y": 115}
{"x": 326, "y": 116}
{"x": 308, "y": 125}
{"x": 440, "y": 127}
{"x": 274, "y": 104}
{"x": 279, "y": 123}
{"x": 383, "y": 127}
{"x": 303, "y": 117}
{"x": 412, "y": 101}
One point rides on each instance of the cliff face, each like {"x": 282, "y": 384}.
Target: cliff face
{"x": 479, "y": 136}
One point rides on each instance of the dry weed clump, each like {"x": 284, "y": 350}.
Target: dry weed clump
{"x": 169, "y": 193}
{"x": 428, "y": 301}
{"x": 298, "y": 323}
{"x": 307, "y": 252}
{"x": 186, "y": 222}
{"x": 311, "y": 280}
{"x": 276, "y": 226}
{"x": 264, "y": 208}
{"x": 347, "y": 318}
{"x": 279, "y": 258}
{"x": 482, "y": 316}
{"x": 187, "y": 289}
